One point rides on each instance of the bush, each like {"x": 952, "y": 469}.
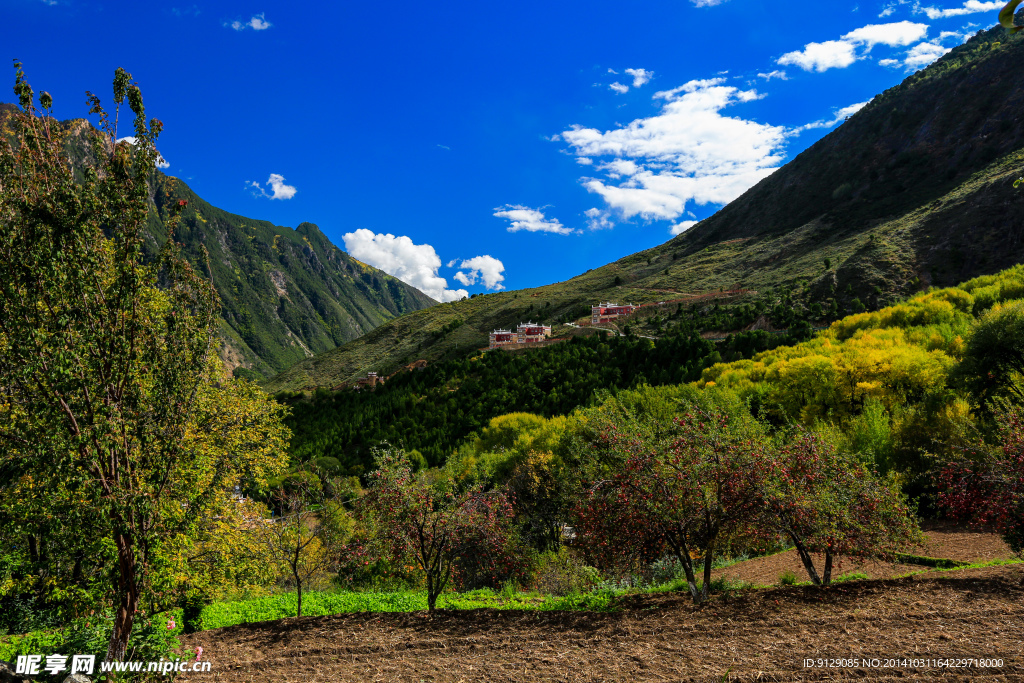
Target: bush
{"x": 562, "y": 573}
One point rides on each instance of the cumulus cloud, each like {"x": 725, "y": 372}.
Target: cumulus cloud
{"x": 689, "y": 152}
{"x": 781, "y": 75}
{"x": 278, "y": 188}
{"x": 680, "y": 228}
{"x": 640, "y": 76}
{"x": 531, "y": 220}
{"x": 839, "y": 54}
{"x": 487, "y": 269}
{"x": 619, "y": 88}
{"x": 923, "y": 54}
{"x": 707, "y": 3}
{"x": 414, "y": 264}
{"x": 969, "y": 7}
{"x": 898, "y": 34}
{"x": 832, "y": 54}
{"x": 258, "y": 22}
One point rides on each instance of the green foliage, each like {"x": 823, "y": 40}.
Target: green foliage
{"x": 993, "y": 361}
{"x": 435, "y": 409}
{"x": 116, "y": 420}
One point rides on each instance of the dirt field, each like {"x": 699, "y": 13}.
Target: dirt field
{"x": 762, "y": 635}
{"x": 943, "y": 541}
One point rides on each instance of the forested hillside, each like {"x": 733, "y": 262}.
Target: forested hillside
{"x": 432, "y": 410}
{"x": 914, "y": 190}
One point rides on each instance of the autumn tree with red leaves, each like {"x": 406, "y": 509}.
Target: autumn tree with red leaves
{"x": 442, "y": 530}
{"x": 826, "y": 502}
{"x": 986, "y": 485}
{"x": 685, "y": 497}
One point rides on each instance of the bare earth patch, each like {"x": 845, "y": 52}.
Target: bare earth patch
{"x": 761, "y": 635}
{"x": 943, "y": 541}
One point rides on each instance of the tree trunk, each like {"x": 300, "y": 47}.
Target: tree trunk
{"x": 128, "y": 596}
{"x": 705, "y": 590}
{"x": 683, "y": 553}
{"x": 807, "y": 560}
{"x": 827, "y": 578}
{"x": 431, "y": 593}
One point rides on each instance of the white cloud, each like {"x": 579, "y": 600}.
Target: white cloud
{"x": 414, "y": 264}
{"x": 680, "y": 228}
{"x": 640, "y": 76}
{"x": 619, "y": 88}
{"x": 898, "y": 34}
{"x": 688, "y": 152}
{"x": 487, "y": 269}
{"x": 969, "y": 7}
{"x": 781, "y": 75}
{"x": 923, "y": 54}
{"x": 891, "y": 7}
{"x": 821, "y": 56}
{"x": 839, "y": 116}
{"x": 531, "y": 220}
{"x": 278, "y": 188}
{"x": 598, "y": 219}
{"x": 889, "y": 62}
{"x": 839, "y": 54}
{"x": 707, "y": 3}
{"x": 258, "y": 23}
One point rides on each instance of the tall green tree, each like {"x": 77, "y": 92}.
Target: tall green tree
{"x": 112, "y": 402}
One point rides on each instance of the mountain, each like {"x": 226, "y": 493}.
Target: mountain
{"x": 914, "y": 190}
{"x": 286, "y": 294}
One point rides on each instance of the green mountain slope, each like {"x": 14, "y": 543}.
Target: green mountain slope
{"x": 913, "y": 190}
{"x": 286, "y": 294}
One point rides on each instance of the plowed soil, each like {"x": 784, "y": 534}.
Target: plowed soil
{"x": 872, "y": 627}
{"x": 942, "y": 541}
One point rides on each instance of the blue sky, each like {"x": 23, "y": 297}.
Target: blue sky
{"x": 468, "y": 147}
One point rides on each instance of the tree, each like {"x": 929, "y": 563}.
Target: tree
{"x": 986, "y": 484}
{"x": 826, "y": 502}
{"x": 993, "y": 364}
{"x": 112, "y": 400}
{"x": 688, "y": 497}
{"x": 307, "y": 534}
{"x": 436, "y": 526}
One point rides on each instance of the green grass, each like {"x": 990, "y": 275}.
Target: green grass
{"x": 221, "y": 614}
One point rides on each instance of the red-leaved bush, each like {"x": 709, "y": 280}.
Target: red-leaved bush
{"x": 987, "y": 484}
{"x": 449, "y": 534}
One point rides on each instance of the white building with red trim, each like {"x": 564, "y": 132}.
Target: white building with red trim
{"x": 526, "y": 333}
{"x": 502, "y": 337}
{"x": 606, "y": 312}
